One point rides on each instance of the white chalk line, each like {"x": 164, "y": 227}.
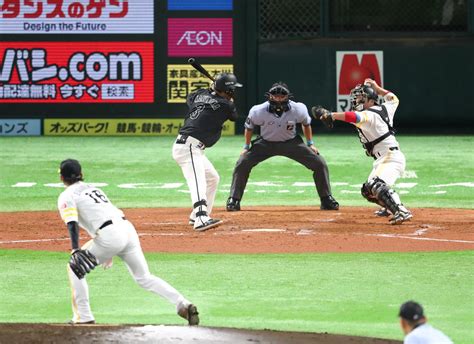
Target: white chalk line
{"x": 28, "y": 241}
{"x": 258, "y": 230}
{"x": 398, "y": 236}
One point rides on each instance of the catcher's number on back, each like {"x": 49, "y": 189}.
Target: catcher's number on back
{"x": 82, "y": 262}
{"x": 323, "y": 115}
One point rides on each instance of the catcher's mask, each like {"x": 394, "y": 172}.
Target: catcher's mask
{"x": 227, "y": 83}
{"x": 360, "y": 95}
{"x": 279, "y": 96}
{"x": 70, "y": 170}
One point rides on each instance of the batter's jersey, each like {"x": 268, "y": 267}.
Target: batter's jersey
{"x": 426, "y": 334}
{"x": 274, "y": 128}
{"x": 373, "y": 126}
{"x": 88, "y": 205}
{"x": 207, "y": 113}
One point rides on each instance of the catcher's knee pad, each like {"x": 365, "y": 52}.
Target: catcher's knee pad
{"x": 367, "y": 194}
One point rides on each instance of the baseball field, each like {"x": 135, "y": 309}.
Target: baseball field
{"x": 280, "y": 264}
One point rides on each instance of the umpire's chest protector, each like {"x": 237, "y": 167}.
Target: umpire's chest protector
{"x": 283, "y": 128}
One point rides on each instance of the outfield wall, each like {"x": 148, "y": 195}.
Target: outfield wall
{"x": 126, "y": 61}
{"x": 431, "y": 76}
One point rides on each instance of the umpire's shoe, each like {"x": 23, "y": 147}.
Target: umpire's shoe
{"x": 232, "y": 204}
{"x": 190, "y": 313}
{"x": 329, "y": 203}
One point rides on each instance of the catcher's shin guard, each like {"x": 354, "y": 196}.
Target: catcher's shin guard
{"x": 383, "y": 194}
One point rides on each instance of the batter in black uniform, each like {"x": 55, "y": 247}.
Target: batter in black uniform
{"x": 277, "y": 119}
{"x": 208, "y": 110}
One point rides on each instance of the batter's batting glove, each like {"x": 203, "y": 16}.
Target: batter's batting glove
{"x": 323, "y": 115}
{"x": 82, "y": 262}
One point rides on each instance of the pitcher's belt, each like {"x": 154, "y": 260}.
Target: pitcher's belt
{"x": 108, "y": 223}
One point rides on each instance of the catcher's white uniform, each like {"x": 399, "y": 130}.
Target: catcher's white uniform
{"x": 112, "y": 236}
{"x": 390, "y": 161}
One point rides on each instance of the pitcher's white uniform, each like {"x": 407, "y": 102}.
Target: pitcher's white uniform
{"x": 426, "y": 334}
{"x": 90, "y": 207}
{"x": 390, "y": 161}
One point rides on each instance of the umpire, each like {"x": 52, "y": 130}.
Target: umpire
{"x": 277, "y": 118}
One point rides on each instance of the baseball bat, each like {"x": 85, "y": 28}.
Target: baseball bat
{"x": 196, "y": 65}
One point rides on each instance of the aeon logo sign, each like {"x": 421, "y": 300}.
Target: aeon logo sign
{"x": 352, "y": 68}
{"x": 200, "y": 37}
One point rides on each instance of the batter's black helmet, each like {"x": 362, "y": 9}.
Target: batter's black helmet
{"x": 70, "y": 170}
{"x": 226, "y": 82}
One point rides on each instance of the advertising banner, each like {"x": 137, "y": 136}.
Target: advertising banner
{"x": 76, "y": 16}
{"x": 200, "y": 37}
{"x": 20, "y": 127}
{"x": 200, "y": 5}
{"x": 184, "y": 79}
{"x": 120, "y": 127}
{"x": 76, "y": 72}
{"x": 352, "y": 67}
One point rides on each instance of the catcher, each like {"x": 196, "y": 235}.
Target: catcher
{"x": 374, "y": 123}
{"x": 84, "y": 205}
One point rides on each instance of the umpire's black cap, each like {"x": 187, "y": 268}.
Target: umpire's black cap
{"x": 70, "y": 169}
{"x": 411, "y": 311}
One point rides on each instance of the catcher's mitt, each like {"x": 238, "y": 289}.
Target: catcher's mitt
{"x": 82, "y": 262}
{"x": 323, "y": 115}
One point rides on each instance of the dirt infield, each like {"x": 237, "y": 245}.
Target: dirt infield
{"x": 253, "y": 230}
{"x": 59, "y": 333}
{"x": 263, "y": 230}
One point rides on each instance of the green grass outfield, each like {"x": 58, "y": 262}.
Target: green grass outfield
{"x": 356, "y": 294}
{"x": 432, "y": 161}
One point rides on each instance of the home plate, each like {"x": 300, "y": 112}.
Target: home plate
{"x": 264, "y": 230}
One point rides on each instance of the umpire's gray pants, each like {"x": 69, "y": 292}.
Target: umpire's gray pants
{"x": 294, "y": 149}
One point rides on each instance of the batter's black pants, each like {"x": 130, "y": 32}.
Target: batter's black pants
{"x": 294, "y": 149}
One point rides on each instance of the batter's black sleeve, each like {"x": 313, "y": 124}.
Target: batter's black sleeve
{"x": 233, "y": 115}
{"x": 190, "y": 99}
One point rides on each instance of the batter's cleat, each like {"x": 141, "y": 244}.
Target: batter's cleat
{"x": 382, "y": 212}
{"x": 329, "y": 203}
{"x": 400, "y": 217}
{"x": 232, "y": 204}
{"x": 191, "y": 222}
{"x": 211, "y": 223}
{"x": 72, "y": 322}
{"x": 191, "y": 314}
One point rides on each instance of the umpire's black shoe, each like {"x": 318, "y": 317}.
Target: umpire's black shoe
{"x": 232, "y": 204}
{"x": 329, "y": 203}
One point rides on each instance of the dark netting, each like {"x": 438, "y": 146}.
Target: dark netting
{"x": 288, "y": 19}
{"x": 398, "y": 15}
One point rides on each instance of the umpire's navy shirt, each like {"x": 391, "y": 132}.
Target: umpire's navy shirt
{"x": 274, "y": 128}
{"x": 207, "y": 113}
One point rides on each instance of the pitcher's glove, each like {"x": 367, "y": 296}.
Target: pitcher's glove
{"x": 323, "y": 115}
{"x": 82, "y": 262}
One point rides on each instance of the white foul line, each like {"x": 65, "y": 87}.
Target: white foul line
{"x": 28, "y": 241}
{"x": 83, "y": 238}
{"x": 418, "y": 238}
